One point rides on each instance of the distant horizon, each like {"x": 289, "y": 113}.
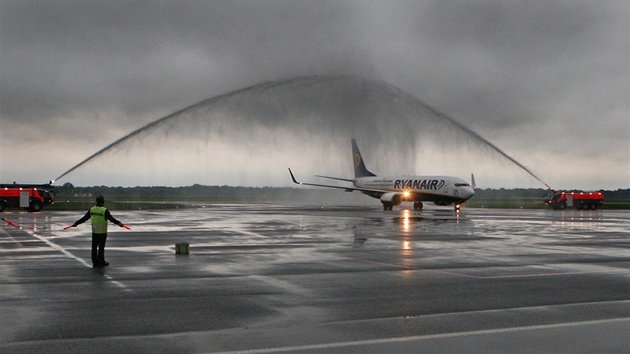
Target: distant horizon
{"x": 320, "y": 189}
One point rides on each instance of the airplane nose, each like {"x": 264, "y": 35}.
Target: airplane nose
{"x": 467, "y": 192}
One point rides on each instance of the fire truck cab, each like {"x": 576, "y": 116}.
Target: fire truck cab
{"x": 28, "y": 197}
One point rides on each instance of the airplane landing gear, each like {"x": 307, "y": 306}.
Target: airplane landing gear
{"x": 388, "y": 206}
{"x": 417, "y": 205}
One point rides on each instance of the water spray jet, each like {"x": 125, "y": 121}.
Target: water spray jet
{"x": 303, "y": 109}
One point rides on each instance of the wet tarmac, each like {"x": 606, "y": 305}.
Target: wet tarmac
{"x": 272, "y": 278}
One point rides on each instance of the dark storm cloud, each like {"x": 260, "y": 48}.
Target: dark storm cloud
{"x": 138, "y": 55}
{"x": 507, "y": 63}
{"x": 60, "y": 56}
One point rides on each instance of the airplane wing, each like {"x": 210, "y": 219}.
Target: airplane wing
{"x": 347, "y": 189}
{"x": 335, "y": 178}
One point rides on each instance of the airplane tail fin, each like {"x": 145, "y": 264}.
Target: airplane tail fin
{"x": 359, "y": 167}
{"x": 472, "y": 181}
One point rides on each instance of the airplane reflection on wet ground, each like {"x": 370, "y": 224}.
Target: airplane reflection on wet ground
{"x": 272, "y": 278}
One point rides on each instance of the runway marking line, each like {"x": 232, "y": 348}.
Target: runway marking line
{"x": 423, "y": 337}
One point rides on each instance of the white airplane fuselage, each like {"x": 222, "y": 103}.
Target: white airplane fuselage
{"x": 441, "y": 190}
{"x": 446, "y": 189}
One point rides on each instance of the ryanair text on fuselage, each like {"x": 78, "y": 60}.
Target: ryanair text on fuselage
{"x": 432, "y": 184}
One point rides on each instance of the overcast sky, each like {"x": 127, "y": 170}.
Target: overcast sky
{"x": 546, "y": 81}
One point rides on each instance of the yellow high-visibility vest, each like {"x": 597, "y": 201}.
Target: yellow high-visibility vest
{"x": 99, "y": 222}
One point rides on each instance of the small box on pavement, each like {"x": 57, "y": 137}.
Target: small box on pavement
{"x": 182, "y": 248}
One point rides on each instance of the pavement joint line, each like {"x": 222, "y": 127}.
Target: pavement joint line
{"x": 413, "y": 268}
{"x": 484, "y": 276}
{"x": 423, "y": 337}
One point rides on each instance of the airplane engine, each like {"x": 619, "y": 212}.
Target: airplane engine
{"x": 393, "y": 198}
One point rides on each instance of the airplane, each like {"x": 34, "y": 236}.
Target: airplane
{"x": 393, "y": 190}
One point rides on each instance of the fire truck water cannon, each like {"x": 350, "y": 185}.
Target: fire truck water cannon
{"x": 580, "y": 200}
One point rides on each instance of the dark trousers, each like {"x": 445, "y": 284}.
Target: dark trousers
{"x": 98, "y": 248}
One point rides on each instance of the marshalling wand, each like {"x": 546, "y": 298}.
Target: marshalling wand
{"x": 125, "y": 226}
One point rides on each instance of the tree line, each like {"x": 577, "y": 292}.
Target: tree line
{"x": 201, "y": 192}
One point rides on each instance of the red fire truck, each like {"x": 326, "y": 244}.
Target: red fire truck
{"x": 31, "y": 197}
{"x": 560, "y": 200}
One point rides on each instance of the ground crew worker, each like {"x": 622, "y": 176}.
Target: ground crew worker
{"x": 99, "y": 215}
